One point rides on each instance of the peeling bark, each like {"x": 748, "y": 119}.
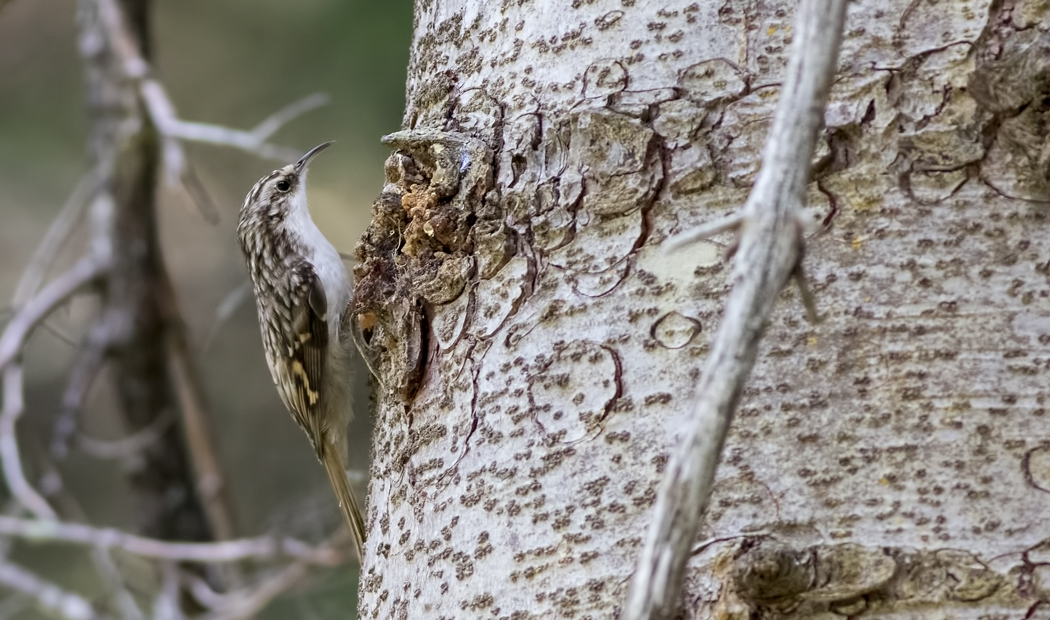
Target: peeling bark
{"x": 535, "y": 345}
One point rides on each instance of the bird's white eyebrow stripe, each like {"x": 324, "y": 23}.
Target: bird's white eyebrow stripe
{"x": 254, "y": 194}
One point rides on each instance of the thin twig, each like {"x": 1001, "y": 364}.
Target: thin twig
{"x": 769, "y": 253}
{"x": 225, "y": 310}
{"x": 809, "y": 302}
{"x": 252, "y": 600}
{"x": 46, "y": 594}
{"x": 265, "y": 548}
{"x": 58, "y": 332}
{"x": 57, "y": 493}
{"x": 248, "y": 601}
{"x": 86, "y": 366}
{"x": 86, "y": 271}
{"x": 727, "y": 223}
{"x": 211, "y": 485}
{"x": 199, "y": 194}
{"x": 56, "y": 236}
{"x": 10, "y": 456}
{"x": 282, "y": 117}
{"x": 126, "y": 447}
{"x": 200, "y": 440}
{"x": 49, "y": 325}
{"x": 167, "y": 605}
{"x": 109, "y": 572}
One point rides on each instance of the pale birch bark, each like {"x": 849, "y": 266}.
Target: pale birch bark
{"x": 535, "y": 346}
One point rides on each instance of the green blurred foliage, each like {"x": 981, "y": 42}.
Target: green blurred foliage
{"x": 232, "y": 63}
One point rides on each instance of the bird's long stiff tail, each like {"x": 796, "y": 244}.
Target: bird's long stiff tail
{"x": 336, "y": 468}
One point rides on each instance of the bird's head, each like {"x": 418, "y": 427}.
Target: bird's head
{"x": 281, "y": 192}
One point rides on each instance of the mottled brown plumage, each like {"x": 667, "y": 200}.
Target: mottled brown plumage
{"x": 302, "y": 291}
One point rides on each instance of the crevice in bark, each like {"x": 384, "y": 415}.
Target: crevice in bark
{"x": 832, "y": 201}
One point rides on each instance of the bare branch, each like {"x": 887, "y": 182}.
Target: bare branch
{"x": 162, "y": 112}
{"x": 264, "y": 548}
{"x": 253, "y": 141}
{"x": 10, "y": 456}
{"x": 178, "y": 169}
{"x": 55, "y": 491}
{"x": 28, "y": 316}
{"x": 46, "y": 594}
{"x": 170, "y": 348}
{"x": 769, "y": 253}
{"x": 124, "y": 144}
{"x": 86, "y": 271}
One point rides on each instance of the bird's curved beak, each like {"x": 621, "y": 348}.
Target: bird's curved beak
{"x": 304, "y": 161}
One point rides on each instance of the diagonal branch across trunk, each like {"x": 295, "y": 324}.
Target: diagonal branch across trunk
{"x": 770, "y": 251}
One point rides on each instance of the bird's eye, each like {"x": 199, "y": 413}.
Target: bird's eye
{"x": 283, "y": 185}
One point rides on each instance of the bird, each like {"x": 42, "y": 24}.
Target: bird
{"x": 302, "y": 292}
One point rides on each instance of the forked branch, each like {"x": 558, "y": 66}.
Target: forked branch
{"x": 26, "y": 318}
{"x": 30, "y": 315}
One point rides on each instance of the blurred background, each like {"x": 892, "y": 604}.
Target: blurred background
{"x": 231, "y": 63}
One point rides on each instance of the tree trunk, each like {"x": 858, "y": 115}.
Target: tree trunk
{"x": 535, "y": 347}
{"x": 138, "y": 313}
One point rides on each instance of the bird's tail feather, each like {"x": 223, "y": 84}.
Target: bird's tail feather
{"x": 335, "y": 466}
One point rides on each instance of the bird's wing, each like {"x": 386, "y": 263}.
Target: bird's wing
{"x": 304, "y": 342}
